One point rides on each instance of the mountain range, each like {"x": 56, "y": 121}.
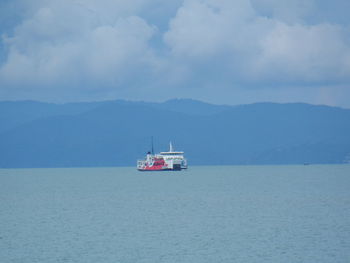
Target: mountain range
{"x": 117, "y": 133}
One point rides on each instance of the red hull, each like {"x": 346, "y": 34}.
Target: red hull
{"x": 154, "y": 168}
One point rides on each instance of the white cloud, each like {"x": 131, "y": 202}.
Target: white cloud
{"x": 215, "y": 48}
{"x": 206, "y": 28}
{"x": 56, "y": 48}
{"x": 258, "y": 49}
{"x": 313, "y": 54}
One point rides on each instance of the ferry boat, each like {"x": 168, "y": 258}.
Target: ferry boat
{"x": 163, "y": 161}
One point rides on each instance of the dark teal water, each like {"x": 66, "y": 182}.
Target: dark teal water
{"x": 206, "y": 214}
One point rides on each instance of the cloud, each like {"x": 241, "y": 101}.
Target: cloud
{"x": 313, "y": 54}
{"x": 206, "y": 28}
{"x": 145, "y": 49}
{"x": 57, "y": 48}
{"x": 285, "y": 11}
{"x": 255, "y": 48}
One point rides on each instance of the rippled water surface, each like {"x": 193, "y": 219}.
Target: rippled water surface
{"x": 206, "y": 214}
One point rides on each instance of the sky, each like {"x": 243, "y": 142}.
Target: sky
{"x": 218, "y": 51}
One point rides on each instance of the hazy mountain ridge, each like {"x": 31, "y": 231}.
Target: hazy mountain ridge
{"x": 116, "y": 133}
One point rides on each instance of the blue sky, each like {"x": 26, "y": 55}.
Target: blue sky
{"x": 219, "y": 51}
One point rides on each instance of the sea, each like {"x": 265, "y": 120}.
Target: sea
{"x": 204, "y": 214}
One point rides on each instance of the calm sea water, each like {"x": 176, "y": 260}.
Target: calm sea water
{"x": 206, "y": 214}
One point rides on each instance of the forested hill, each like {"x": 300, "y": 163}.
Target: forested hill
{"x": 116, "y": 133}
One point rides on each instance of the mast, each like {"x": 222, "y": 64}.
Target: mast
{"x": 171, "y": 149}
{"x": 152, "y": 145}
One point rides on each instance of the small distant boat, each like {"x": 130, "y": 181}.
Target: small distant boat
{"x": 163, "y": 161}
